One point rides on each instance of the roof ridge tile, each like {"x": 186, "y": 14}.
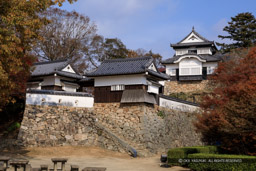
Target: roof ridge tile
{"x": 127, "y": 59}
{"x": 50, "y": 62}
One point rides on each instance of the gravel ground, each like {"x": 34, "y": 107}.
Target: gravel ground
{"x": 89, "y": 157}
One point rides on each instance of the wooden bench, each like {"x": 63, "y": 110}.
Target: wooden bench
{"x": 19, "y": 163}
{"x": 4, "y": 160}
{"x": 94, "y": 169}
{"x": 74, "y": 168}
{"x": 59, "y": 160}
{"x": 44, "y": 167}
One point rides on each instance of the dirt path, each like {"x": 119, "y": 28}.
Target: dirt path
{"x": 90, "y": 157}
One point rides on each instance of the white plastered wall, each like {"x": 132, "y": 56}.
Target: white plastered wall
{"x": 170, "y": 67}
{"x": 34, "y": 85}
{"x": 51, "y": 80}
{"x": 69, "y": 87}
{"x": 190, "y": 66}
{"x": 177, "y": 105}
{"x": 211, "y": 66}
{"x": 204, "y": 51}
{"x": 48, "y": 99}
{"x": 120, "y": 80}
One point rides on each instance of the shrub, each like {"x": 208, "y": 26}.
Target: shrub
{"x": 180, "y": 153}
{"x": 174, "y": 155}
{"x": 161, "y": 114}
{"x": 241, "y": 162}
{"x": 14, "y": 126}
{"x": 213, "y": 149}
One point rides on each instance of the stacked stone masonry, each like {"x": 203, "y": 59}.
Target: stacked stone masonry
{"x": 60, "y": 126}
{"x": 139, "y": 125}
{"x": 188, "y": 86}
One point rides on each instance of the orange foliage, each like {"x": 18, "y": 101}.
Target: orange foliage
{"x": 19, "y": 26}
{"x": 229, "y": 115}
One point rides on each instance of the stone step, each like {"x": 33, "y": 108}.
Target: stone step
{"x": 128, "y": 144}
{"x": 141, "y": 149}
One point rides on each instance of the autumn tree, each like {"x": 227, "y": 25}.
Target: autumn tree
{"x": 19, "y": 26}
{"x": 101, "y": 49}
{"x": 229, "y": 115}
{"x": 142, "y": 52}
{"x": 71, "y": 35}
{"x": 65, "y": 37}
{"x": 241, "y": 31}
{"x": 114, "y": 49}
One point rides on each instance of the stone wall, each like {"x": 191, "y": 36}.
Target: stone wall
{"x": 179, "y": 129}
{"x": 188, "y": 86}
{"x": 143, "y": 127}
{"x": 61, "y": 125}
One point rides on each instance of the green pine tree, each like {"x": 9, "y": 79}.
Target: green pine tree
{"x": 241, "y": 32}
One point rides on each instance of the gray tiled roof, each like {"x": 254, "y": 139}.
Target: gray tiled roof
{"x": 209, "y": 58}
{"x": 178, "y": 100}
{"x": 137, "y": 96}
{"x": 205, "y": 43}
{"x": 85, "y": 79}
{"x": 159, "y": 74}
{"x": 125, "y": 67}
{"x": 69, "y": 74}
{"x": 192, "y": 44}
{"x": 52, "y": 67}
{"x": 122, "y": 66}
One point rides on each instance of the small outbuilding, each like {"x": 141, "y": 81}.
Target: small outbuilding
{"x": 129, "y": 80}
{"x": 54, "y": 75}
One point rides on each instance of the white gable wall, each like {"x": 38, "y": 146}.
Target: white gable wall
{"x": 192, "y": 38}
{"x": 68, "y": 69}
{"x": 152, "y": 67}
{"x": 122, "y": 79}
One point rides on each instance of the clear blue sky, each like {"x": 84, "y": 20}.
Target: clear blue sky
{"x": 154, "y": 24}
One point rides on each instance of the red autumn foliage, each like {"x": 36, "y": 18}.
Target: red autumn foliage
{"x": 229, "y": 115}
